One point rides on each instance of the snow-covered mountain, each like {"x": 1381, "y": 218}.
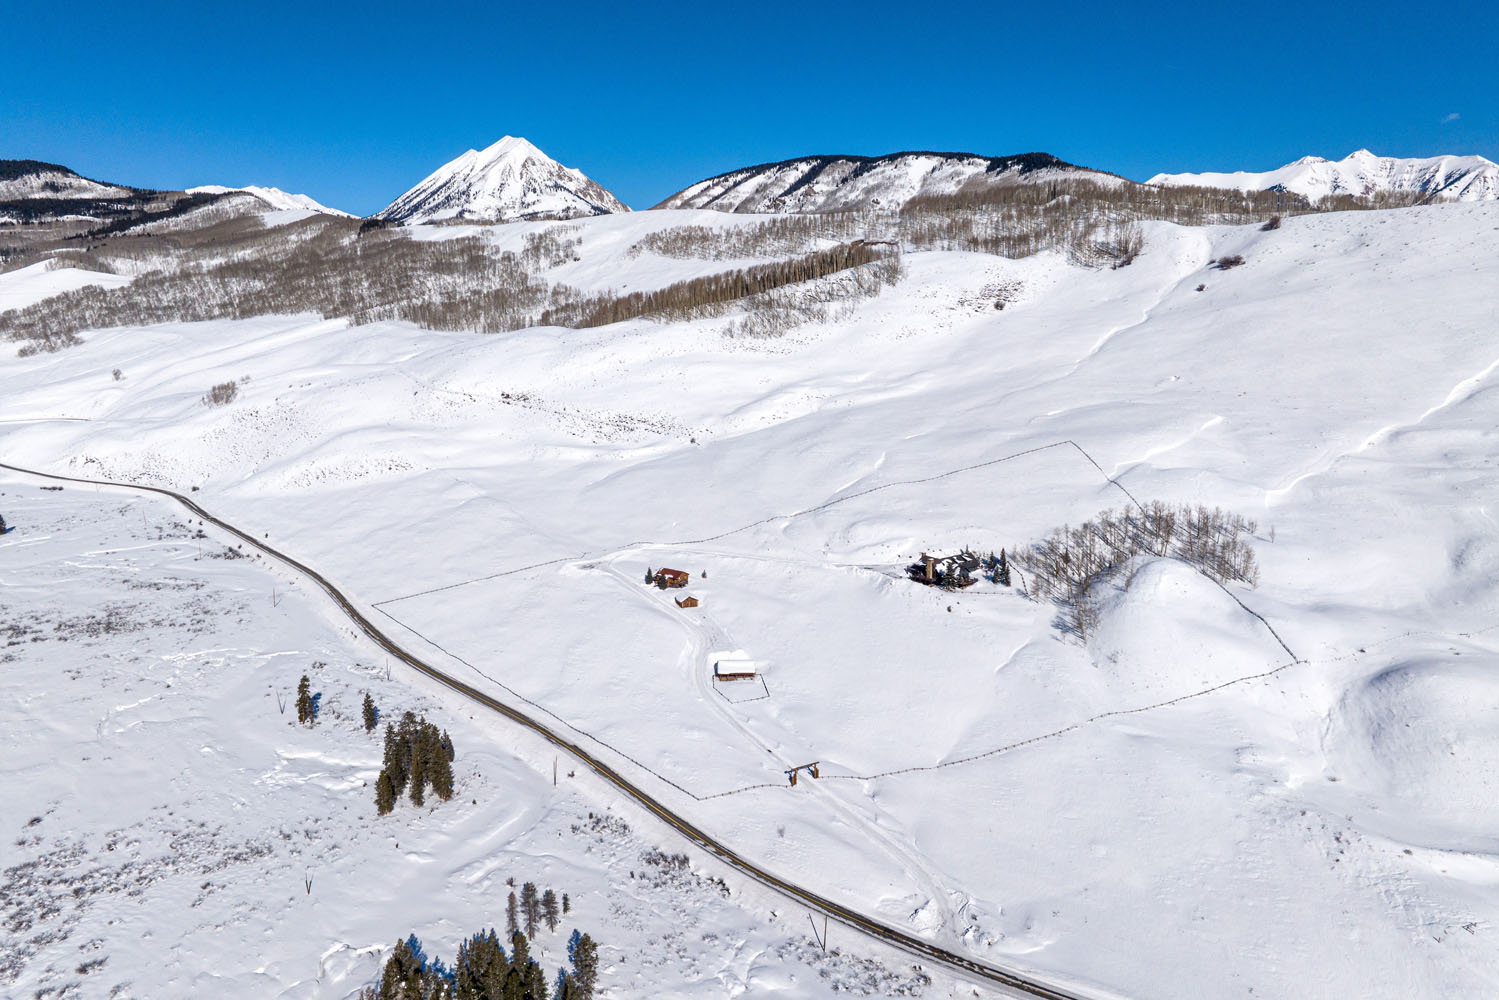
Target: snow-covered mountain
{"x": 23, "y": 179}
{"x": 827, "y": 183}
{"x": 507, "y": 182}
{"x": 1458, "y": 178}
{"x": 275, "y": 197}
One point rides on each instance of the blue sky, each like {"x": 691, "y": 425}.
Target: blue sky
{"x": 353, "y": 103}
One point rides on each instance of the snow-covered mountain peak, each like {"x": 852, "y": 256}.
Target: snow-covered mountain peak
{"x": 1361, "y": 173}
{"x": 276, "y": 198}
{"x": 507, "y": 181}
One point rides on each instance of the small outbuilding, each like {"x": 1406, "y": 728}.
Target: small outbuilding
{"x": 734, "y": 670}
{"x": 687, "y": 602}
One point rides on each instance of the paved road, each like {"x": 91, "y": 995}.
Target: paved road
{"x": 1013, "y": 983}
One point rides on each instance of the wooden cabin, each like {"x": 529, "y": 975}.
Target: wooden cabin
{"x": 687, "y": 602}
{"x": 671, "y": 578}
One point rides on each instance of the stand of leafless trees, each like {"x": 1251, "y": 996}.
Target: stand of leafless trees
{"x": 779, "y": 237}
{"x": 1064, "y": 566}
{"x": 713, "y": 294}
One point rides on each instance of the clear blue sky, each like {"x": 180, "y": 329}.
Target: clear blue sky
{"x": 353, "y": 103}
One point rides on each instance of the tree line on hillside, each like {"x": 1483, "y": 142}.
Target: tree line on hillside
{"x": 713, "y": 294}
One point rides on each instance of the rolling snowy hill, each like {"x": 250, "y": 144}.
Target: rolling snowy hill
{"x": 826, "y": 183}
{"x": 509, "y": 181}
{"x": 1362, "y": 174}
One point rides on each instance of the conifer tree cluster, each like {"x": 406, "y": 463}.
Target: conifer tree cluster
{"x": 484, "y": 972}
{"x": 417, "y": 755}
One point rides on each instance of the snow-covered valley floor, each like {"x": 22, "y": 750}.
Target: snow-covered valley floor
{"x": 1285, "y": 790}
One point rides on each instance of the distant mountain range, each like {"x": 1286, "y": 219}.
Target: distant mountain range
{"x": 34, "y": 193}
{"x": 828, "y": 183}
{"x": 1457, "y": 178}
{"x": 509, "y": 181}
{"x": 512, "y": 180}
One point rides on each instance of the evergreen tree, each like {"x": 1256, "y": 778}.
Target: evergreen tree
{"x": 385, "y": 794}
{"x": 418, "y": 789}
{"x": 402, "y": 976}
{"x": 394, "y": 759}
{"x": 649, "y": 576}
{"x": 1003, "y": 574}
{"x": 479, "y": 973}
{"x": 426, "y": 758}
{"x": 512, "y": 926}
{"x": 515, "y": 985}
{"x": 567, "y": 987}
{"x": 530, "y": 907}
{"x": 442, "y": 767}
{"x": 549, "y": 909}
{"x": 371, "y": 716}
{"x": 585, "y": 958}
{"x": 536, "y": 982}
{"x": 304, "y": 700}
{"x": 567, "y": 904}
{"x": 520, "y": 954}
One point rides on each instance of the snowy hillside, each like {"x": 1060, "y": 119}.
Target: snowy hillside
{"x": 21, "y": 179}
{"x": 1362, "y": 174}
{"x": 508, "y": 181}
{"x": 825, "y": 183}
{"x": 1213, "y": 790}
{"x": 276, "y": 198}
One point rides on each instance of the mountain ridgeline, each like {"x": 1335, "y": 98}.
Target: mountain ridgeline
{"x": 842, "y": 183}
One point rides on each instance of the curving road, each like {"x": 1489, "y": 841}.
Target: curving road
{"x": 1014, "y": 983}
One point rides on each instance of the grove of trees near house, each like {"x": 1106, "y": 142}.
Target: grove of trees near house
{"x": 1065, "y": 565}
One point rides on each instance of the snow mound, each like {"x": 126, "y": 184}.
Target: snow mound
{"x": 508, "y": 181}
{"x": 1361, "y": 173}
{"x": 1169, "y": 631}
{"x": 1418, "y": 746}
{"x": 31, "y": 284}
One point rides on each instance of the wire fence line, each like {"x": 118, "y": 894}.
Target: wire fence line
{"x": 819, "y": 508}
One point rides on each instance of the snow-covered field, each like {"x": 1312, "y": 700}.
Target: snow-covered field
{"x": 172, "y": 832}
{"x": 1280, "y": 791}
